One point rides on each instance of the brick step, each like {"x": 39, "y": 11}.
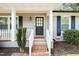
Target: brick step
{"x": 40, "y": 53}
{"x": 39, "y": 37}
{"x": 39, "y": 43}
{"x": 39, "y": 47}
{"x": 43, "y": 50}
{"x": 39, "y": 40}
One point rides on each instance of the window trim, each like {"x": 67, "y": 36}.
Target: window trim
{"x": 69, "y": 18}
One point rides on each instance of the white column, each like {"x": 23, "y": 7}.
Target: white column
{"x": 13, "y": 23}
{"x": 50, "y": 30}
{"x": 51, "y": 23}
{"x": 69, "y": 22}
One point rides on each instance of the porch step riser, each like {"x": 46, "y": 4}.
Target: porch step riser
{"x": 39, "y": 40}
{"x": 39, "y": 47}
{"x": 39, "y": 50}
{"x": 40, "y": 54}
{"x": 34, "y": 49}
{"x": 40, "y": 43}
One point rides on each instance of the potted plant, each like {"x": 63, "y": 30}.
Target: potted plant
{"x": 21, "y": 38}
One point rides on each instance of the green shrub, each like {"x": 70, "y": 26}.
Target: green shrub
{"x": 21, "y": 38}
{"x": 71, "y": 36}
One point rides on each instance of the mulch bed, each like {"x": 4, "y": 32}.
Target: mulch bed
{"x": 65, "y": 49}
{"x": 13, "y": 52}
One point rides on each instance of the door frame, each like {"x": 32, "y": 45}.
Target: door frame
{"x": 43, "y": 25}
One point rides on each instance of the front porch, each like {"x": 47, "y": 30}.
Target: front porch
{"x": 37, "y": 18}
{"x": 27, "y": 21}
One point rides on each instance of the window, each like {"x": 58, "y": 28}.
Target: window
{"x": 3, "y": 23}
{"x": 64, "y": 23}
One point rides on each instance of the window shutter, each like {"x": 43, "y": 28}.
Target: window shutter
{"x": 20, "y": 21}
{"x": 72, "y": 22}
{"x": 58, "y": 25}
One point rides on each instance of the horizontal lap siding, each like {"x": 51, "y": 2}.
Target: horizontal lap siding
{"x": 29, "y": 24}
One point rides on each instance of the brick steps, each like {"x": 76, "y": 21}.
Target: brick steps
{"x": 40, "y": 47}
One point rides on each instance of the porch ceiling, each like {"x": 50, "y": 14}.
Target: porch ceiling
{"x": 28, "y": 7}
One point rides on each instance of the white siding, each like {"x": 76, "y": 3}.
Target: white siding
{"x": 29, "y": 24}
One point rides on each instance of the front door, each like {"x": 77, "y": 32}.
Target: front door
{"x": 39, "y": 23}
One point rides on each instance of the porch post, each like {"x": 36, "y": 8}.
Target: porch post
{"x": 50, "y": 29}
{"x": 51, "y": 23}
{"x": 13, "y": 24}
{"x": 8, "y": 28}
{"x": 69, "y": 22}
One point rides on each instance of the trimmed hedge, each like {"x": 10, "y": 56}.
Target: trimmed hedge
{"x": 71, "y": 36}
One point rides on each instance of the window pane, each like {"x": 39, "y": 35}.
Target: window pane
{"x": 65, "y": 20}
{"x": 3, "y": 23}
{"x": 64, "y": 27}
{"x": 64, "y": 23}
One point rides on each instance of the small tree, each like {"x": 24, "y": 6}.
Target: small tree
{"x": 21, "y": 38}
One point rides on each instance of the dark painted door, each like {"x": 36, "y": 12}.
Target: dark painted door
{"x": 39, "y": 23}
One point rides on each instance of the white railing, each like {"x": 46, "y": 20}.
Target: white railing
{"x": 4, "y": 35}
{"x": 31, "y": 38}
{"x": 48, "y": 39}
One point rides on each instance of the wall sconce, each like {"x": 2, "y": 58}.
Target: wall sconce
{"x": 30, "y": 18}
